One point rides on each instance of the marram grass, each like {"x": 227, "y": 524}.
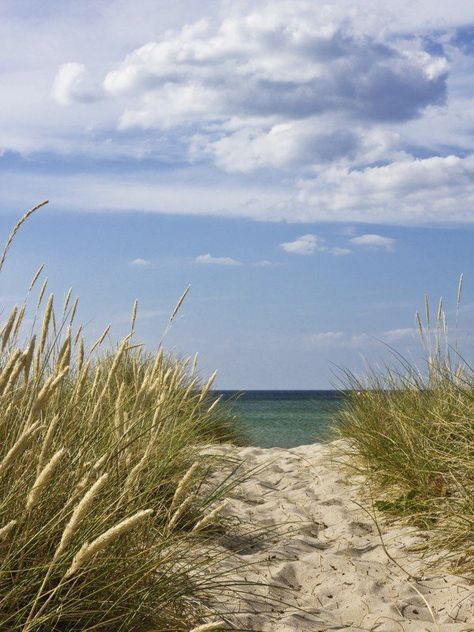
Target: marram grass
{"x": 99, "y": 450}
{"x": 411, "y": 432}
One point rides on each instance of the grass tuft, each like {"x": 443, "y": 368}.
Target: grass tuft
{"x": 411, "y": 432}
{"x": 98, "y": 450}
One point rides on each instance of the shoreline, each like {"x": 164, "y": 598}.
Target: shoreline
{"x": 323, "y": 555}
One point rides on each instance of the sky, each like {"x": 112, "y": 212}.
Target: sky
{"x": 307, "y": 168}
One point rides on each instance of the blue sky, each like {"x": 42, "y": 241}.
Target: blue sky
{"x": 308, "y": 168}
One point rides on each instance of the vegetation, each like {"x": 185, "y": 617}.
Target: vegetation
{"x": 411, "y": 432}
{"x": 104, "y": 491}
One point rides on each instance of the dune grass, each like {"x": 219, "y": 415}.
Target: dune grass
{"x": 411, "y": 432}
{"x": 104, "y": 491}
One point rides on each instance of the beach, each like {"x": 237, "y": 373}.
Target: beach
{"x": 321, "y": 562}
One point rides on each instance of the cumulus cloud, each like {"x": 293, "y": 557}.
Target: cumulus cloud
{"x": 297, "y": 86}
{"x": 326, "y": 338}
{"x": 374, "y": 241}
{"x": 282, "y": 145}
{"x": 73, "y": 84}
{"x": 309, "y": 244}
{"x": 140, "y": 262}
{"x": 350, "y": 109}
{"x": 278, "y": 60}
{"x": 412, "y": 190}
{"x": 279, "y": 85}
{"x": 217, "y": 261}
{"x": 304, "y": 245}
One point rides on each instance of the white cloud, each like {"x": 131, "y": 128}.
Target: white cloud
{"x": 340, "y": 252}
{"x": 309, "y": 244}
{"x": 140, "y": 262}
{"x": 374, "y": 241}
{"x": 282, "y": 60}
{"x": 336, "y": 196}
{"x": 333, "y": 100}
{"x": 362, "y": 340}
{"x": 410, "y": 191}
{"x": 217, "y": 261}
{"x": 327, "y": 338}
{"x": 304, "y": 245}
{"x": 276, "y": 85}
{"x": 282, "y": 145}
{"x": 341, "y": 339}
{"x": 72, "y": 84}
{"x": 172, "y": 106}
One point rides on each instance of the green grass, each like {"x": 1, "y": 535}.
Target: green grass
{"x": 104, "y": 493}
{"x": 411, "y": 432}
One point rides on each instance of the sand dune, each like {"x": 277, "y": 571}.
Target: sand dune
{"x": 323, "y": 555}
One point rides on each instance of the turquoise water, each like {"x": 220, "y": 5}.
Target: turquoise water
{"x": 283, "y": 419}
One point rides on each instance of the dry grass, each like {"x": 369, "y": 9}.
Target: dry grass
{"x": 94, "y": 447}
{"x": 411, "y": 433}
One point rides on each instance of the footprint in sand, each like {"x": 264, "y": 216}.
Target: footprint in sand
{"x": 324, "y": 568}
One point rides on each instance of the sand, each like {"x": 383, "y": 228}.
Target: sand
{"x": 323, "y": 556}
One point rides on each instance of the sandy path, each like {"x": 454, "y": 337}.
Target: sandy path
{"x": 327, "y": 562}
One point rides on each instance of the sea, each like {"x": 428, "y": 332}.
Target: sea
{"x": 283, "y": 419}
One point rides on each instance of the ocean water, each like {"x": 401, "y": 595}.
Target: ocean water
{"x": 283, "y": 419}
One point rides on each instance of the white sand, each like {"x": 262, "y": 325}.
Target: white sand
{"x": 325, "y": 559}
